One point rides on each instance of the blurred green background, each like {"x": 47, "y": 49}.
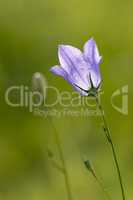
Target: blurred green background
{"x": 30, "y": 32}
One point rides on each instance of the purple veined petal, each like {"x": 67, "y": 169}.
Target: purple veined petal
{"x": 91, "y": 53}
{"x": 96, "y": 78}
{"x": 78, "y": 81}
{"x": 72, "y": 61}
{"x": 69, "y": 57}
{"x": 61, "y": 72}
{"x": 58, "y": 71}
{"x": 92, "y": 56}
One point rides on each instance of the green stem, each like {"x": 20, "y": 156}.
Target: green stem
{"x": 109, "y": 139}
{"x": 90, "y": 168}
{"x": 66, "y": 177}
{"x": 41, "y": 79}
{"x": 103, "y": 189}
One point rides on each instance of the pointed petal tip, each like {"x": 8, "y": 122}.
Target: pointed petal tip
{"x": 64, "y": 46}
{"x": 61, "y": 46}
{"x": 91, "y": 51}
{"x": 58, "y": 70}
{"x": 100, "y": 59}
{"x": 52, "y": 70}
{"x": 91, "y": 40}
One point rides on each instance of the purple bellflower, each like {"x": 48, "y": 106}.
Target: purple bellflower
{"x": 80, "y": 69}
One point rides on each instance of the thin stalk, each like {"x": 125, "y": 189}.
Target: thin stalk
{"x": 109, "y": 139}
{"x": 92, "y": 171}
{"x": 66, "y": 176}
{"x": 40, "y": 82}
{"x": 103, "y": 189}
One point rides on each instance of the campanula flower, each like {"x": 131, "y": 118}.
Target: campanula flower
{"x": 80, "y": 69}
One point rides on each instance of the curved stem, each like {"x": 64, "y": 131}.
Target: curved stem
{"x": 109, "y": 139}
{"x": 66, "y": 177}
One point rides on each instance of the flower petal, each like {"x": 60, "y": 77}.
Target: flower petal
{"x": 81, "y": 70}
{"x": 91, "y": 52}
{"x": 69, "y": 57}
{"x": 58, "y": 71}
{"x": 61, "y": 72}
{"x": 96, "y": 78}
{"x": 72, "y": 61}
{"x": 92, "y": 56}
